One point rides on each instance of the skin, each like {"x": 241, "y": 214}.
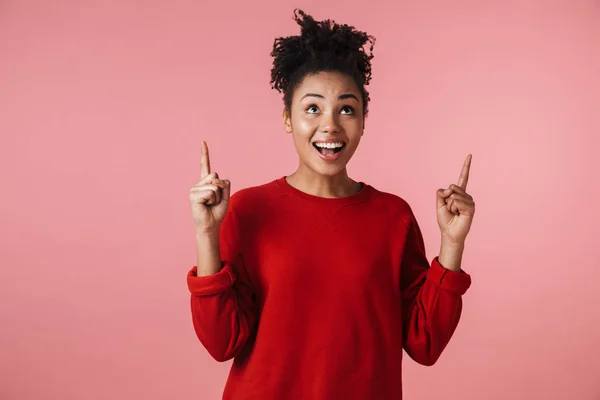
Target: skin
{"x": 209, "y": 199}
{"x": 327, "y": 105}
{"x": 455, "y": 211}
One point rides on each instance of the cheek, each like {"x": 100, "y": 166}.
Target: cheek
{"x": 354, "y": 130}
{"x": 304, "y": 124}
{"x": 302, "y": 144}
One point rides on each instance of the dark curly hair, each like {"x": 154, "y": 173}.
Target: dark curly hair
{"x": 321, "y": 46}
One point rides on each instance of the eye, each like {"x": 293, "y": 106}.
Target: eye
{"x": 312, "y": 109}
{"x": 350, "y": 110}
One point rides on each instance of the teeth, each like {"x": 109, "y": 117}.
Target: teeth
{"x": 329, "y": 145}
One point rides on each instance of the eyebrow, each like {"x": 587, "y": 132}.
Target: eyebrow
{"x": 341, "y": 97}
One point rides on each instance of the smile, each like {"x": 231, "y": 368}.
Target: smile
{"x": 329, "y": 151}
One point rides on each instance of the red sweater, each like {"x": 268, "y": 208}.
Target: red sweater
{"x": 317, "y": 297}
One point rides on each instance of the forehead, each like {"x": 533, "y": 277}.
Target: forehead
{"x": 328, "y": 84}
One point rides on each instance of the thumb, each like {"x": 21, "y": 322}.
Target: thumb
{"x": 226, "y": 190}
{"x": 442, "y": 194}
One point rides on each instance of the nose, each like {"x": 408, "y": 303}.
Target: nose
{"x": 330, "y": 123}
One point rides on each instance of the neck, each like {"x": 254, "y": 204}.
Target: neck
{"x": 326, "y": 186}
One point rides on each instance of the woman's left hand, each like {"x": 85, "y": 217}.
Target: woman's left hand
{"x": 455, "y": 208}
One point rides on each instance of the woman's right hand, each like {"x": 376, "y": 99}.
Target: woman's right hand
{"x": 209, "y": 197}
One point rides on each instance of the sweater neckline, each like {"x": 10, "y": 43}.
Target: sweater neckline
{"x": 358, "y": 197}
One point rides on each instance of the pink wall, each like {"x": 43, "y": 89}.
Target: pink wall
{"x": 102, "y": 110}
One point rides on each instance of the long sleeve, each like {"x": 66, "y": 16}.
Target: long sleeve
{"x": 223, "y": 306}
{"x": 431, "y": 300}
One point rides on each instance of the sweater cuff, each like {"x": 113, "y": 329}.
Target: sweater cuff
{"x": 210, "y": 284}
{"x": 452, "y": 281}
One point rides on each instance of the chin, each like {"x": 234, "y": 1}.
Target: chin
{"x": 329, "y": 170}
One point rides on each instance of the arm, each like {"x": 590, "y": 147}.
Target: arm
{"x": 431, "y": 297}
{"x": 208, "y": 253}
{"x": 451, "y": 255}
{"x": 224, "y": 312}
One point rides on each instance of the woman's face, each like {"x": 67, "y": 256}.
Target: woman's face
{"x": 326, "y": 121}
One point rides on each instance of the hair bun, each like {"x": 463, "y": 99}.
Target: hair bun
{"x": 326, "y": 37}
{"x": 321, "y": 46}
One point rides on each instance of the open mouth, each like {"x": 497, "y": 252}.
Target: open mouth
{"x": 329, "y": 149}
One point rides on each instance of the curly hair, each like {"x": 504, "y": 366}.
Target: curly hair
{"x": 321, "y": 46}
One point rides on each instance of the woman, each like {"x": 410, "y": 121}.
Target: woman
{"x": 315, "y": 283}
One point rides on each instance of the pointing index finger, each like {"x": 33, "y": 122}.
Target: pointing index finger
{"x": 205, "y": 161}
{"x": 464, "y": 174}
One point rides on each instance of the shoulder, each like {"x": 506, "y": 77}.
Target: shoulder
{"x": 253, "y": 198}
{"x": 393, "y": 205}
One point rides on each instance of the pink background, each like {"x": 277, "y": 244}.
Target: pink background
{"x": 103, "y": 105}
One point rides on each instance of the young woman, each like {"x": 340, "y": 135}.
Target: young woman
{"x": 315, "y": 283}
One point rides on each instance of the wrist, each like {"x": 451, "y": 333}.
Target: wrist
{"x": 204, "y": 234}
{"x": 208, "y": 253}
{"x": 448, "y": 242}
{"x": 451, "y": 254}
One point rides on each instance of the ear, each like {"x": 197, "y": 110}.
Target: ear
{"x": 362, "y": 132}
{"x": 287, "y": 120}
